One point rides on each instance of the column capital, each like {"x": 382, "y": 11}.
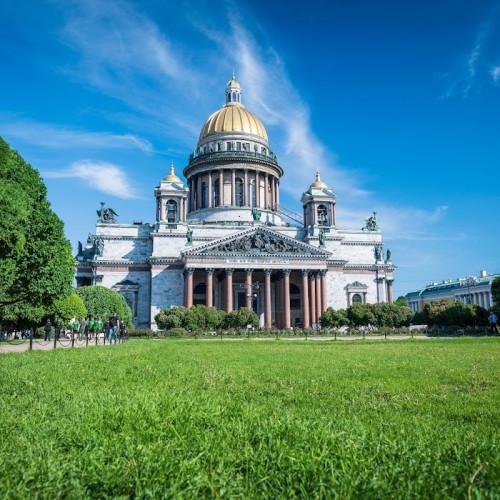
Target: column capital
{"x": 267, "y": 271}
{"x": 305, "y": 272}
{"x": 323, "y": 272}
{"x": 189, "y": 271}
{"x": 286, "y": 272}
{"x": 229, "y": 271}
{"x": 312, "y": 276}
{"x": 389, "y": 282}
{"x": 249, "y": 271}
{"x": 210, "y": 271}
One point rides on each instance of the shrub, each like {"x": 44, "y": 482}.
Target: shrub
{"x": 178, "y": 332}
{"x": 241, "y": 318}
{"x": 332, "y": 318}
{"x": 102, "y": 302}
{"x": 70, "y": 307}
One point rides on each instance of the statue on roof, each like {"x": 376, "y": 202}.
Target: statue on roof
{"x": 106, "y": 214}
{"x": 322, "y": 238}
{"x": 256, "y": 214}
{"x": 371, "y": 223}
{"x": 378, "y": 252}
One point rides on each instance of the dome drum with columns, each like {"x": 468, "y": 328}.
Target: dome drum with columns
{"x": 221, "y": 238}
{"x": 233, "y": 168}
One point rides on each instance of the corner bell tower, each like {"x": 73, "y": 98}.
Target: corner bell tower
{"x": 319, "y": 205}
{"x": 171, "y": 196}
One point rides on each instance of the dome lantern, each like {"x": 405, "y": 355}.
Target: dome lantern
{"x": 233, "y": 92}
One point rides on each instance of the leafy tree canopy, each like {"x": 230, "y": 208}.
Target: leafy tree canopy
{"x": 401, "y": 301}
{"x": 495, "y": 290}
{"x": 102, "y": 302}
{"x": 70, "y": 307}
{"x": 332, "y": 318}
{"x": 241, "y": 318}
{"x": 198, "y": 317}
{"x": 36, "y": 262}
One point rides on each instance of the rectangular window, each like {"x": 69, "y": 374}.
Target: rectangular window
{"x": 238, "y": 146}
{"x": 229, "y": 146}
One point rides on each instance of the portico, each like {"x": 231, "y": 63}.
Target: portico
{"x": 283, "y": 281}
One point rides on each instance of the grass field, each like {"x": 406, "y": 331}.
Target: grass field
{"x": 268, "y": 419}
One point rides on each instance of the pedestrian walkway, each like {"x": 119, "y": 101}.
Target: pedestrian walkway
{"x": 23, "y": 345}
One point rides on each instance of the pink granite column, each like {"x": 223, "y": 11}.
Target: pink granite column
{"x": 209, "y": 288}
{"x": 248, "y": 288}
{"x": 229, "y": 290}
{"x": 233, "y": 187}
{"x": 312, "y": 291}
{"x": 389, "y": 291}
{"x": 318, "y": 298}
{"x": 188, "y": 287}
{"x": 286, "y": 297}
{"x": 267, "y": 298}
{"x": 305, "y": 299}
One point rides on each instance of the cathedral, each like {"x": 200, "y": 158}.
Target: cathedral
{"x": 223, "y": 239}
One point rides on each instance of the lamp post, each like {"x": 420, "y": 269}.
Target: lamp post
{"x": 250, "y": 291}
{"x": 470, "y": 281}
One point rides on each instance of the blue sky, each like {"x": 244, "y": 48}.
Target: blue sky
{"x": 396, "y": 103}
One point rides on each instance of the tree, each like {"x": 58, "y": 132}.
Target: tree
{"x": 332, "y": 318}
{"x": 70, "y": 307}
{"x": 103, "y": 302}
{"x": 241, "y": 318}
{"x": 361, "y": 315}
{"x": 201, "y": 317}
{"x": 36, "y": 262}
{"x": 171, "y": 318}
{"x": 198, "y": 317}
{"x": 392, "y": 315}
{"x": 434, "y": 310}
{"x": 495, "y": 290}
{"x": 401, "y": 301}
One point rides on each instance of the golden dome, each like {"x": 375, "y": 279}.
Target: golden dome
{"x": 171, "y": 177}
{"x": 318, "y": 183}
{"x": 233, "y": 118}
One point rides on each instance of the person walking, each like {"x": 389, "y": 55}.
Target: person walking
{"x": 123, "y": 331}
{"x": 114, "y": 321}
{"x": 59, "y": 328}
{"x": 74, "y": 327}
{"x": 48, "y": 329}
{"x": 492, "y": 320}
{"x": 82, "y": 329}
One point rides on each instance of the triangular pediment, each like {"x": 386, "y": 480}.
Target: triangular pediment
{"x": 257, "y": 242}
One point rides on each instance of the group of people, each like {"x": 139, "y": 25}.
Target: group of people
{"x": 82, "y": 328}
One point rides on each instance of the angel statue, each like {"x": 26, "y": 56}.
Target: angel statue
{"x": 106, "y": 214}
{"x": 371, "y": 223}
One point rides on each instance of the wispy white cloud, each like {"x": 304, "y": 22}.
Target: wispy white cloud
{"x": 495, "y": 73}
{"x": 57, "y": 137}
{"x": 125, "y": 55}
{"x": 105, "y": 177}
{"x": 272, "y": 95}
{"x": 474, "y": 65}
{"x": 402, "y": 223}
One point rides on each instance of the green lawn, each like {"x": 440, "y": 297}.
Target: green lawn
{"x": 253, "y": 419}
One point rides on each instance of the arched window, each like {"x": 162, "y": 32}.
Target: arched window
{"x": 204, "y": 195}
{"x": 357, "y": 299}
{"x": 171, "y": 211}
{"x": 322, "y": 215}
{"x": 239, "y": 192}
{"x": 199, "y": 294}
{"x": 294, "y": 296}
{"x": 216, "y": 193}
